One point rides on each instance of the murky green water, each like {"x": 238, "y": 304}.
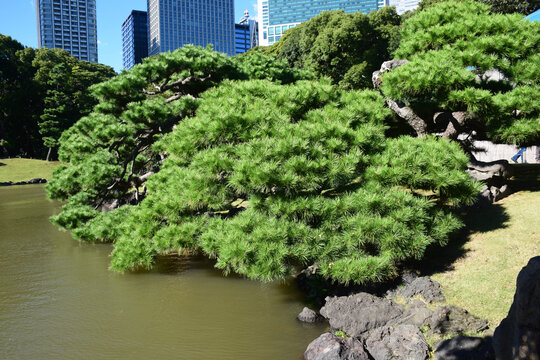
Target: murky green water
{"x": 59, "y": 301}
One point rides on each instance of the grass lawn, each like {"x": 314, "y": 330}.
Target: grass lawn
{"x": 500, "y": 240}
{"x": 25, "y": 169}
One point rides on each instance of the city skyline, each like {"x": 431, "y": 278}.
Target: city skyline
{"x": 18, "y": 20}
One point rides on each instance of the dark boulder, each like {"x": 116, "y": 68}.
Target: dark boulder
{"x": 464, "y": 348}
{"x": 37, "y": 181}
{"x": 359, "y": 313}
{"x": 518, "y": 335}
{"x": 331, "y": 347}
{"x": 7, "y": 183}
{"x": 309, "y": 316}
{"x": 489, "y": 172}
{"x": 401, "y": 342}
{"x": 454, "y": 320}
{"x": 421, "y": 286}
{"x": 417, "y": 313}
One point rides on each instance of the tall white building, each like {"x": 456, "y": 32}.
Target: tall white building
{"x": 403, "y": 6}
{"x": 69, "y": 25}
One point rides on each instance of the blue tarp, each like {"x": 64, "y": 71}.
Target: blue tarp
{"x": 535, "y": 16}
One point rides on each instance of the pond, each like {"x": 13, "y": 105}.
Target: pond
{"x": 58, "y": 300}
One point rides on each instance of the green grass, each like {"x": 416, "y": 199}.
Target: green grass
{"x": 25, "y": 169}
{"x": 500, "y": 241}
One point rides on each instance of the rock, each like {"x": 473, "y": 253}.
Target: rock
{"x": 37, "y": 181}
{"x": 417, "y": 314}
{"x": 503, "y": 192}
{"x": 485, "y": 171}
{"x": 464, "y": 348}
{"x": 7, "y": 183}
{"x": 308, "y": 315}
{"x": 421, "y": 286}
{"x": 484, "y": 198}
{"x": 332, "y": 347}
{"x": 453, "y": 320}
{"x": 401, "y": 342}
{"x": 408, "y": 277}
{"x": 359, "y": 313}
{"x": 518, "y": 335}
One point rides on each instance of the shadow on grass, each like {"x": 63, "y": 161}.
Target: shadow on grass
{"x": 439, "y": 259}
{"x": 2, "y": 164}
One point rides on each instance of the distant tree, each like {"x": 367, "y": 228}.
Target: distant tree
{"x": 513, "y": 6}
{"x": 469, "y": 72}
{"x": 497, "y": 6}
{"x": 42, "y": 93}
{"x": 19, "y": 100}
{"x": 56, "y": 115}
{"x": 347, "y": 47}
{"x": 65, "y": 83}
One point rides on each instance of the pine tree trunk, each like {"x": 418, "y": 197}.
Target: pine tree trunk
{"x": 48, "y": 154}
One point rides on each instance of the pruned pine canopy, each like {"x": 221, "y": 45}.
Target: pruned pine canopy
{"x": 262, "y": 176}
{"x": 462, "y": 58}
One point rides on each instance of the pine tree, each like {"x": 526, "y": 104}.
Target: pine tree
{"x": 467, "y": 71}
{"x": 183, "y": 153}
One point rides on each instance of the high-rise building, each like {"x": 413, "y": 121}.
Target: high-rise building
{"x": 403, "y": 6}
{"x": 135, "y": 38}
{"x": 68, "y": 25}
{"x": 175, "y": 23}
{"x": 246, "y": 34}
{"x": 277, "y": 16}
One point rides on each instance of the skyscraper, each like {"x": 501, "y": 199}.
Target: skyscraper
{"x": 246, "y": 34}
{"x": 135, "y": 38}
{"x": 68, "y": 25}
{"x": 175, "y": 23}
{"x": 277, "y": 16}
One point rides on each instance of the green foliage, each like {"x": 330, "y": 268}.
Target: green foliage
{"x": 497, "y": 6}
{"x": 341, "y": 334}
{"x": 19, "y": 100}
{"x": 257, "y": 65}
{"x": 452, "y": 47}
{"x": 43, "y": 92}
{"x": 65, "y": 82}
{"x": 109, "y": 149}
{"x": 345, "y": 47}
{"x": 261, "y": 176}
{"x": 283, "y": 176}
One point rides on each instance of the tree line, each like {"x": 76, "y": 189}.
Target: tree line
{"x": 42, "y": 93}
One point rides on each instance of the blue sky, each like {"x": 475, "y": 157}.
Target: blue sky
{"x": 18, "y": 20}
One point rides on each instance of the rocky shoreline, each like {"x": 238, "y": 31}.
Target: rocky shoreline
{"x": 397, "y": 324}
{"x": 29, "y": 182}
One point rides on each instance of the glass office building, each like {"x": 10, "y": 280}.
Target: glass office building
{"x": 277, "y": 16}
{"x": 175, "y": 23}
{"x": 68, "y": 25}
{"x": 135, "y": 38}
{"x": 246, "y": 34}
